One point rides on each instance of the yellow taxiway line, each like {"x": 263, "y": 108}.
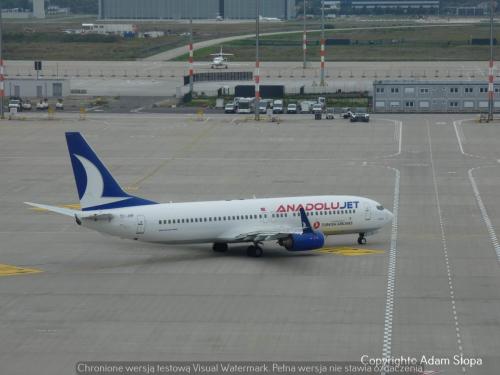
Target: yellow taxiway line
{"x": 348, "y": 251}
{"x": 8, "y": 270}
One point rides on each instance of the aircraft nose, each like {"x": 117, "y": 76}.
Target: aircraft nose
{"x": 389, "y": 216}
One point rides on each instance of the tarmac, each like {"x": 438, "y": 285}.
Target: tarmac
{"x": 427, "y": 285}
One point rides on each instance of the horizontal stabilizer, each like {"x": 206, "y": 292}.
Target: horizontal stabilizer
{"x": 56, "y": 209}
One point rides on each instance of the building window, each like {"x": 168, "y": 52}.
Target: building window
{"x": 394, "y": 90}
{"x": 410, "y": 104}
{"x": 454, "y": 104}
{"x": 469, "y": 90}
{"x": 453, "y": 90}
{"x": 380, "y": 90}
{"x": 424, "y": 90}
{"x": 409, "y": 90}
{"x": 483, "y": 89}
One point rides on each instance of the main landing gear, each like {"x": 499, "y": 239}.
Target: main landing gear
{"x": 254, "y": 251}
{"x": 220, "y": 247}
{"x": 362, "y": 239}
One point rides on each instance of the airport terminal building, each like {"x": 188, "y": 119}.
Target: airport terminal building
{"x": 433, "y": 96}
{"x": 197, "y": 9}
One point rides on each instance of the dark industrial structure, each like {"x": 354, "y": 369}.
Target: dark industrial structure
{"x": 196, "y": 9}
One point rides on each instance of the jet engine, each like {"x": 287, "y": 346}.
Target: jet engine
{"x": 303, "y": 242}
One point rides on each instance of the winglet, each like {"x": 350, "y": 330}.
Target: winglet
{"x": 306, "y": 225}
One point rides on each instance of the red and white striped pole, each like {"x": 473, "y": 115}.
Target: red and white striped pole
{"x": 490, "y": 70}
{"x": 257, "y": 61}
{"x": 191, "y": 55}
{"x": 322, "y": 42}
{"x": 490, "y": 82}
{"x": 257, "y": 80}
{"x": 2, "y": 87}
{"x": 2, "y": 92}
{"x": 304, "y": 38}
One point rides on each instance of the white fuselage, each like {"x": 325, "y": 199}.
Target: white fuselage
{"x": 223, "y": 221}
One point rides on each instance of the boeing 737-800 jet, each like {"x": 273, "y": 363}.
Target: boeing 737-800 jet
{"x": 296, "y": 223}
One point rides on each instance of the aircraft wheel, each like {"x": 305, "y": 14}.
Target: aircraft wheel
{"x": 254, "y": 251}
{"x": 361, "y": 239}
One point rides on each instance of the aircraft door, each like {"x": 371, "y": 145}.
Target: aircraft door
{"x": 141, "y": 224}
{"x": 368, "y": 212}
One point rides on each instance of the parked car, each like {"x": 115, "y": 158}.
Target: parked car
{"x": 42, "y": 105}
{"x": 15, "y": 104}
{"x": 230, "y": 108}
{"x": 317, "y": 108}
{"x": 330, "y": 114}
{"x": 347, "y": 113}
{"x": 26, "y": 106}
{"x": 263, "y": 106}
{"x": 360, "y": 117}
{"x": 292, "y": 108}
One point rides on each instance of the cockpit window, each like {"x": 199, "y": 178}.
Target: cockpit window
{"x": 380, "y": 207}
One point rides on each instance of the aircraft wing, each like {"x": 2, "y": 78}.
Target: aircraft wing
{"x": 260, "y": 234}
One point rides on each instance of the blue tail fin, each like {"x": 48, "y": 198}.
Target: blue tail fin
{"x": 97, "y": 189}
{"x": 306, "y": 224}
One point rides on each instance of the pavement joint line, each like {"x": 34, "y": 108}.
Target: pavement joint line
{"x": 484, "y": 213}
{"x": 444, "y": 240}
{"x": 135, "y": 186}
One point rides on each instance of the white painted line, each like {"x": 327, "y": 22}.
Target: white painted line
{"x": 459, "y": 133}
{"x": 398, "y": 137}
{"x": 443, "y": 235}
{"x": 391, "y": 272}
{"x": 484, "y": 213}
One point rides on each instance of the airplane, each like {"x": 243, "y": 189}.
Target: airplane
{"x": 296, "y": 223}
{"x": 219, "y": 60}
{"x": 270, "y": 19}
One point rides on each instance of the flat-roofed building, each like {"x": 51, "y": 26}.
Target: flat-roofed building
{"x": 432, "y": 96}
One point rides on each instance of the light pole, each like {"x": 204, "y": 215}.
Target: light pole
{"x": 322, "y": 52}
{"x": 191, "y": 71}
{"x": 490, "y": 72}
{"x": 304, "y": 38}
{"x": 257, "y": 61}
{"x": 2, "y": 87}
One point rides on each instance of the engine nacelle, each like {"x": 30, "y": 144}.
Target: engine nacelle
{"x": 303, "y": 242}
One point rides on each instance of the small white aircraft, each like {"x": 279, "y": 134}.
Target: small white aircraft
{"x": 269, "y": 19}
{"x": 296, "y": 223}
{"x": 219, "y": 60}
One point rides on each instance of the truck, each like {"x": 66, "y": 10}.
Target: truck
{"x": 278, "y": 106}
{"x": 246, "y": 105}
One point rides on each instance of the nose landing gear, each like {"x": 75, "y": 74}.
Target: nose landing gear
{"x": 361, "y": 239}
